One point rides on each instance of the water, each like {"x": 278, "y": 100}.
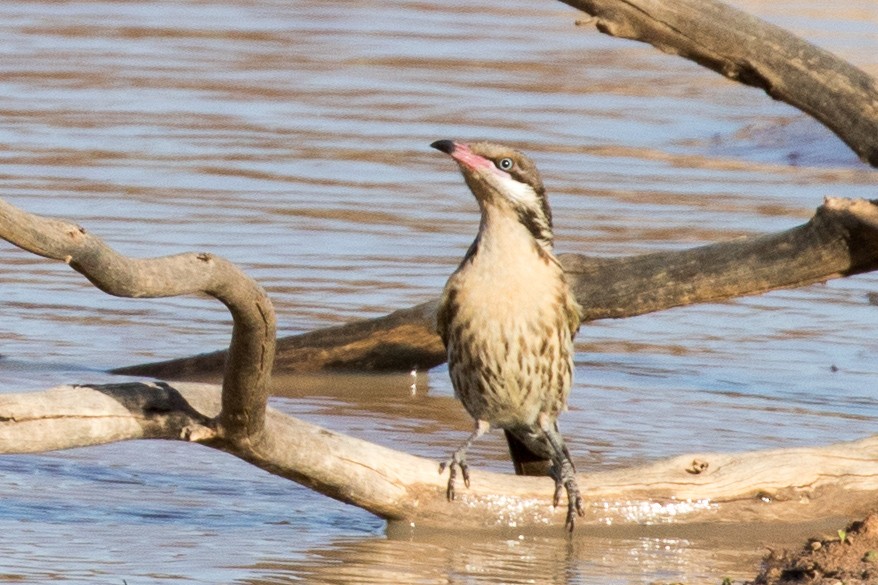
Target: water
{"x": 292, "y": 138}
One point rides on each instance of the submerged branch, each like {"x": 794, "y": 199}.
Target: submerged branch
{"x": 838, "y": 241}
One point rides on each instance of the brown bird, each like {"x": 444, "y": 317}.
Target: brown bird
{"x": 508, "y": 317}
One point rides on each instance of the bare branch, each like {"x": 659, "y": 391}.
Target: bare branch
{"x": 251, "y": 352}
{"x": 838, "y": 241}
{"x": 754, "y": 52}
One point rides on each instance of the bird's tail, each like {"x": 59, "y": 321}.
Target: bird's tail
{"x": 525, "y": 461}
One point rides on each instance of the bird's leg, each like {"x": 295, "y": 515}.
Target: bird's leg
{"x": 563, "y": 472}
{"x": 458, "y": 459}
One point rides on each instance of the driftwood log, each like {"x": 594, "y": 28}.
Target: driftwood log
{"x": 788, "y": 485}
{"x": 749, "y": 50}
{"x": 830, "y": 245}
{"x": 800, "y": 484}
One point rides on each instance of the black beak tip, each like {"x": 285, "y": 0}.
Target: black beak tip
{"x": 446, "y": 146}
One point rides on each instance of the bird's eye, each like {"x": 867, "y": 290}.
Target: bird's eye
{"x": 504, "y": 164}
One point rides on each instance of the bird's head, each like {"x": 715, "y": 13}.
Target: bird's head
{"x": 506, "y": 180}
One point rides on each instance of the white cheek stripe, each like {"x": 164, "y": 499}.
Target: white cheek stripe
{"x": 517, "y": 191}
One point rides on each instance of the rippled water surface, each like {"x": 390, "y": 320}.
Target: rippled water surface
{"x": 292, "y": 138}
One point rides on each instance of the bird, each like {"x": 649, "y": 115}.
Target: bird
{"x": 507, "y": 317}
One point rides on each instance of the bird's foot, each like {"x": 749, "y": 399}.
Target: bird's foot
{"x": 457, "y": 461}
{"x": 574, "y": 503}
{"x": 559, "y": 487}
{"x": 565, "y": 479}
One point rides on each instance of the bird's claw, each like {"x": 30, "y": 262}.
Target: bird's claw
{"x": 574, "y": 504}
{"x": 565, "y": 480}
{"x": 453, "y": 464}
{"x": 559, "y": 487}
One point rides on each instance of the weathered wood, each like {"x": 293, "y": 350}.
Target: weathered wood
{"x": 251, "y": 352}
{"x": 400, "y": 341}
{"x": 785, "y": 485}
{"x": 838, "y": 241}
{"x": 747, "y": 49}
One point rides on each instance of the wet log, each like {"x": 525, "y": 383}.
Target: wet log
{"x": 754, "y": 52}
{"x": 777, "y": 486}
{"x": 839, "y": 240}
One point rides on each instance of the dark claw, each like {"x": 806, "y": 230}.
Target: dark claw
{"x": 452, "y": 466}
{"x": 574, "y": 505}
{"x": 556, "y": 499}
{"x": 452, "y": 473}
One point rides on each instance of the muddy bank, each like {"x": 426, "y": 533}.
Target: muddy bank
{"x": 849, "y": 557}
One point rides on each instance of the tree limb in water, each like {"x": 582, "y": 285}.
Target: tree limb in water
{"x": 838, "y": 241}
{"x": 715, "y": 35}
{"x": 251, "y": 351}
{"x": 747, "y": 49}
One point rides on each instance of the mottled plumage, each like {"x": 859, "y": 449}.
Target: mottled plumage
{"x": 507, "y": 315}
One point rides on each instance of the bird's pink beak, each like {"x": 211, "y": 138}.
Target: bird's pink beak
{"x": 461, "y": 152}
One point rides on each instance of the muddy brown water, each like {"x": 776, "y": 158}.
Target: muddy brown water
{"x": 293, "y": 139}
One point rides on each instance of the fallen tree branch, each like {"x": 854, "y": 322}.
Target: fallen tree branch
{"x": 754, "y": 52}
{"x": 838, "y": 241}
{"x": 713, "y": 34}
{"x": 785, "y": 485}
{"x": 251, "y": 351}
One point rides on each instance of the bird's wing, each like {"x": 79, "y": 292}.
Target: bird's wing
{"x": 446, "y": 311}
{"x": 574, "y": 313}
{"x": 447, "y": 305}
